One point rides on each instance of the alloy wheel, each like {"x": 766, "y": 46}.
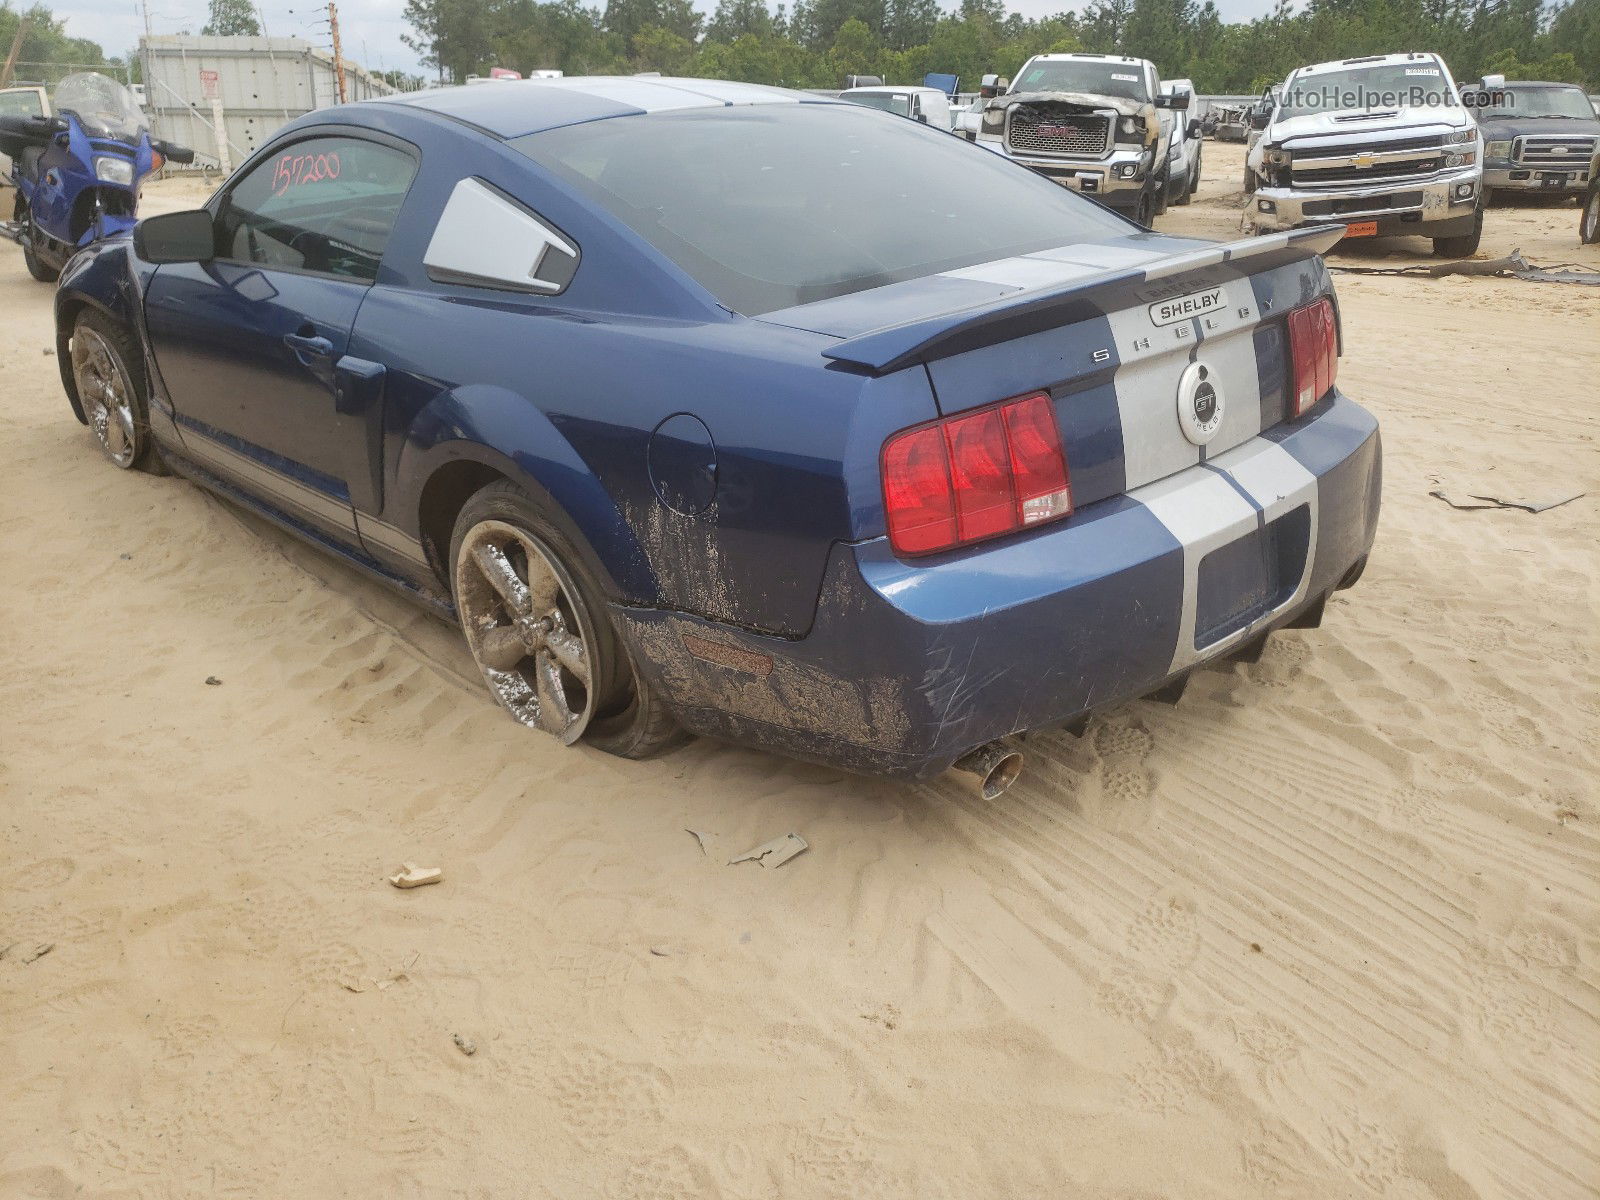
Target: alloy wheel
{"x": 106, "y": 394}
{"x": 526, "y": 628}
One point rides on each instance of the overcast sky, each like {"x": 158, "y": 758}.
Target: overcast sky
{"x": 372, "y": 28}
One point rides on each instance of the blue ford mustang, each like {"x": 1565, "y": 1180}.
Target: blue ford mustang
{"x": 726, "y": 409}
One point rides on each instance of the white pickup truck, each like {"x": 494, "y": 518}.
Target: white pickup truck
{"x": 1093, "y": 122}
{"x": 1382, "y": 145}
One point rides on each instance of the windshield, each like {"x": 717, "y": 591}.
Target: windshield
{"x": 1095, "y": 78}
{"x": 104, "y": 107}
{"x": 772, "y": 205}
{"x": 1416, "y": 84}
{"x": 1537, "y": 102}
{"x": 898, "y": 103}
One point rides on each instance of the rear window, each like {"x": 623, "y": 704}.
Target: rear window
{"x": 898, "y": 103}
{"x": 774, "y": 205}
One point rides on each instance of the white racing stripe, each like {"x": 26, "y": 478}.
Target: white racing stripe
{"x": 1025, "y": 272}
{"x": 1203, "y": 511}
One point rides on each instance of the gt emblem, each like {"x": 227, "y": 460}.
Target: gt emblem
{"x": 1363, "y": 160}
{"x": 1200, "y": 404}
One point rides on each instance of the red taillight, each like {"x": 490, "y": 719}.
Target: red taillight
{"x": 1313, "y": 353}
{"x": 975, "y": 476}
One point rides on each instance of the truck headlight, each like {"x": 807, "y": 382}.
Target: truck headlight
{"x": 1130, "y": 129}
{"x": 1460, "y": 135}
{"x": 1497, "y": 150}
{"x": 994, "y": 121}
{"x": 1272, "y": 156}
{"x": 114, "y": 170}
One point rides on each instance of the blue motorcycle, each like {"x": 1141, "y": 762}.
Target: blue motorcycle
{"x": 77, "y": 173}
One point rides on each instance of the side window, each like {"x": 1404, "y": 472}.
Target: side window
{"x": 324, "y": 204}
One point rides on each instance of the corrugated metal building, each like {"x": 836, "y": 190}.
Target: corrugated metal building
{"x": 261, "y": 83}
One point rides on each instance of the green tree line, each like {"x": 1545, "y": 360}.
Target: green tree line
{"x": 815, "y": 43}
{"x": 46, "y": 50}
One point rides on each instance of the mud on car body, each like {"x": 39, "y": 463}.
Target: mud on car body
{"x": 694, "y": 405}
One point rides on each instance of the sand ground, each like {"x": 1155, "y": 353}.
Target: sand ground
{"x": 1330, "y": 928}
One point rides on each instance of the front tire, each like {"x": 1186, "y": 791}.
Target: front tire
{"x": 1589, "y": 222}
{"x": 1145, "y": 213}
{"x": 1464, "y": 246}
{"x": 108, "y": 372}
{"x": 539, "y": 630}
{"x": 1192, "y": 184}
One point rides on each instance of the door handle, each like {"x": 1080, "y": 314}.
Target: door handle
{"x": 306, "y": 346}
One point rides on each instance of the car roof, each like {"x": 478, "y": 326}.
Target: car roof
{"x": 1370, "y": 60}
{"x": 1540, "y": 83}
{"x": 1077, "y": 56}
{"x": 514, "y": 107}
{"x": 889, "y": 87}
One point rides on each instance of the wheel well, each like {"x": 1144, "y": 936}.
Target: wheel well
{"x": 447, "y": 490}
{"x": 66, "y": 322}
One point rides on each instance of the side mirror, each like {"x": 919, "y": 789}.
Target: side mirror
{"x": 180, "y": 237}
{"x": 1180, "y": 101}
{"x": 1260, "y": 118}
{"x": 172, "y": 153}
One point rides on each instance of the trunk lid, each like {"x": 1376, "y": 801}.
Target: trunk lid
{"x": 1110, "y": 331}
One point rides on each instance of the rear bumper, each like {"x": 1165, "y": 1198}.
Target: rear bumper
{"x": 1440, "y": 207}
{"x": 909, "y": 666}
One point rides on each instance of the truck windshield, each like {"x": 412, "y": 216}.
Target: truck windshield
{"x": 1077, "y": 75}
{"x": 1420, "y": 83}
{"x": 772, "y": 205}
{"x": 1538, "y": 102}
{"x": 898, "y": 103}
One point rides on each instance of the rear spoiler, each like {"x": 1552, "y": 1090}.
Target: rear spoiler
{"x": 880, "y": 351}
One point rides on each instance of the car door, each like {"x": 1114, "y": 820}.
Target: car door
{"x": 252, "y": 344}
{"x": 20, "y": 102}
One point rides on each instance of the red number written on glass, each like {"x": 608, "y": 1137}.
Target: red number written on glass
{"x": 296, "y": 170}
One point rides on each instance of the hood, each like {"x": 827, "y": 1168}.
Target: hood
{"x": 1506, "y": 129}
{"x": 1355, "y": 127}
{"x": 1084, "y": 100}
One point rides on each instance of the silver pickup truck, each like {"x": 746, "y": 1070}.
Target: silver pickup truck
{"x": 1382, "y": 145}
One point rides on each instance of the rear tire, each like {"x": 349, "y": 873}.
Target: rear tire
{"x": 30, "y": 257}
{"x": 1589, "y": 222}
{"x": 613, "y": 708}
{"x": 1464, "y": 246}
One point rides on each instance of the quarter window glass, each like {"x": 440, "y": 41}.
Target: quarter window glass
{"x": 323, "y": 204}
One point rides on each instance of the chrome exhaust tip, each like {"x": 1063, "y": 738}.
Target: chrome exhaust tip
{"x": 996, "y": 765}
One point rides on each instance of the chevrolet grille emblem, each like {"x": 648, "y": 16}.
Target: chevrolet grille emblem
{"x": 1363, "y": 160}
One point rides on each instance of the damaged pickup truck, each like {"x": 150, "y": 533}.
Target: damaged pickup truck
{"x": 1094, "y": 123}
{"x": 1381, "y": 144}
